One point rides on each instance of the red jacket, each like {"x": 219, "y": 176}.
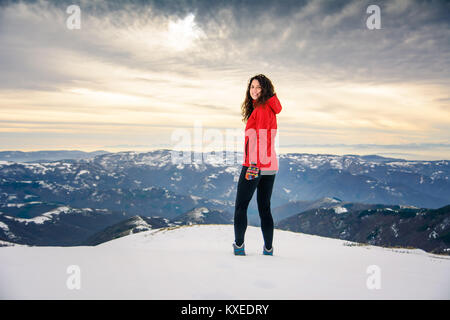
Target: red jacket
{"x": 260, "y": 133}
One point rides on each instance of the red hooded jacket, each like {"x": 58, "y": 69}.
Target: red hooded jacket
{"x": 260, "y": 133}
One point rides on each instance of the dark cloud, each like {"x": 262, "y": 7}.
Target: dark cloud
{"x": 328, "y": 38}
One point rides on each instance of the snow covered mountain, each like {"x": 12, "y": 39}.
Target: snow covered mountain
{"x": 200, "y": 215}
{"x": 118, "y": 186}
{"x": 366, "y": 179}
{"x": 61, "y": 225}
{"x": 22, "y": 156}
{"x": 196, "y": 262}
{"x": 427, "y": 229}
{"x": 297, "y": 206}
{"x": 129, "y": 226}
{"x": 301, "y": 177}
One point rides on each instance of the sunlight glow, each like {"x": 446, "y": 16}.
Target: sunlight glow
{"x": 183, "y": 32}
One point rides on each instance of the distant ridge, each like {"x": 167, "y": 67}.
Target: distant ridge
{"x": 47, "y": 155}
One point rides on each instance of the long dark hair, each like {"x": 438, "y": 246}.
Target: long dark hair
{"x": 267, "y": 91}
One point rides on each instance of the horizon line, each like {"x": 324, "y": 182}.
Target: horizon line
{"x": 381, "y": 155}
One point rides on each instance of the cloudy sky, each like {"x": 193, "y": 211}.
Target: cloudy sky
{"x": 145, "y": 75}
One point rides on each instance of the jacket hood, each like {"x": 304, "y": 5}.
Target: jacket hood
{"x": 273, "y": 103}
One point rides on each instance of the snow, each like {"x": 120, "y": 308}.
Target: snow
{"x": 8, "y": 234}
{"x": 286, "y": 190}
{"x": 180, "y": 166}
{"x": 17, "y": 205}
{"x": 140, "y": 224}
{"x": 233, "y": 170}
{"x": 43, "y": 217}
{"x": 331, "y": 200}
{"x": 433, "y": 235}
{"x": 4, "y": 226}
{"x": 176, "y": 178}
{"x": 336, "y": 164}
{"x": 395, "y": 230}
{"x": 339, "y": 210}
{"x": 197, "y": 214}
{"x": 45, "y": 184}
{"x": 6, "y": 243}
{"x": 196, "y": 262}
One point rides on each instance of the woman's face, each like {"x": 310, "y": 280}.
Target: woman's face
{"x": 255, "y": 89}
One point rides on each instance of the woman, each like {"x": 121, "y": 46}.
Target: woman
{"x": 260, "y": 163}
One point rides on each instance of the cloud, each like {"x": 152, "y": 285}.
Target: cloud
{"x": 173, "y": 62}
{"x": 320, "y": 37}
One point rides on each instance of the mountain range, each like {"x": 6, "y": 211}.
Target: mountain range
{"x": 75, "y": 199}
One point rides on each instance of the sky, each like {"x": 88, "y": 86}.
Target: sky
{"x": 146, "y": 75}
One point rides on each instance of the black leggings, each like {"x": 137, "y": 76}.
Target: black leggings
{"x": 245, "y": 190}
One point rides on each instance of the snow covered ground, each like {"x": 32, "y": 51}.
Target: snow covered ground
{"x": 196, "y": 262}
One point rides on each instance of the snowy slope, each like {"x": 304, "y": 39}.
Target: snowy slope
{"x": 196, "y": 262}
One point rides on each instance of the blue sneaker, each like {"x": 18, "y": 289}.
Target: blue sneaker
{"x": 267, "y": 252}
{"x": 239, "y": 251}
